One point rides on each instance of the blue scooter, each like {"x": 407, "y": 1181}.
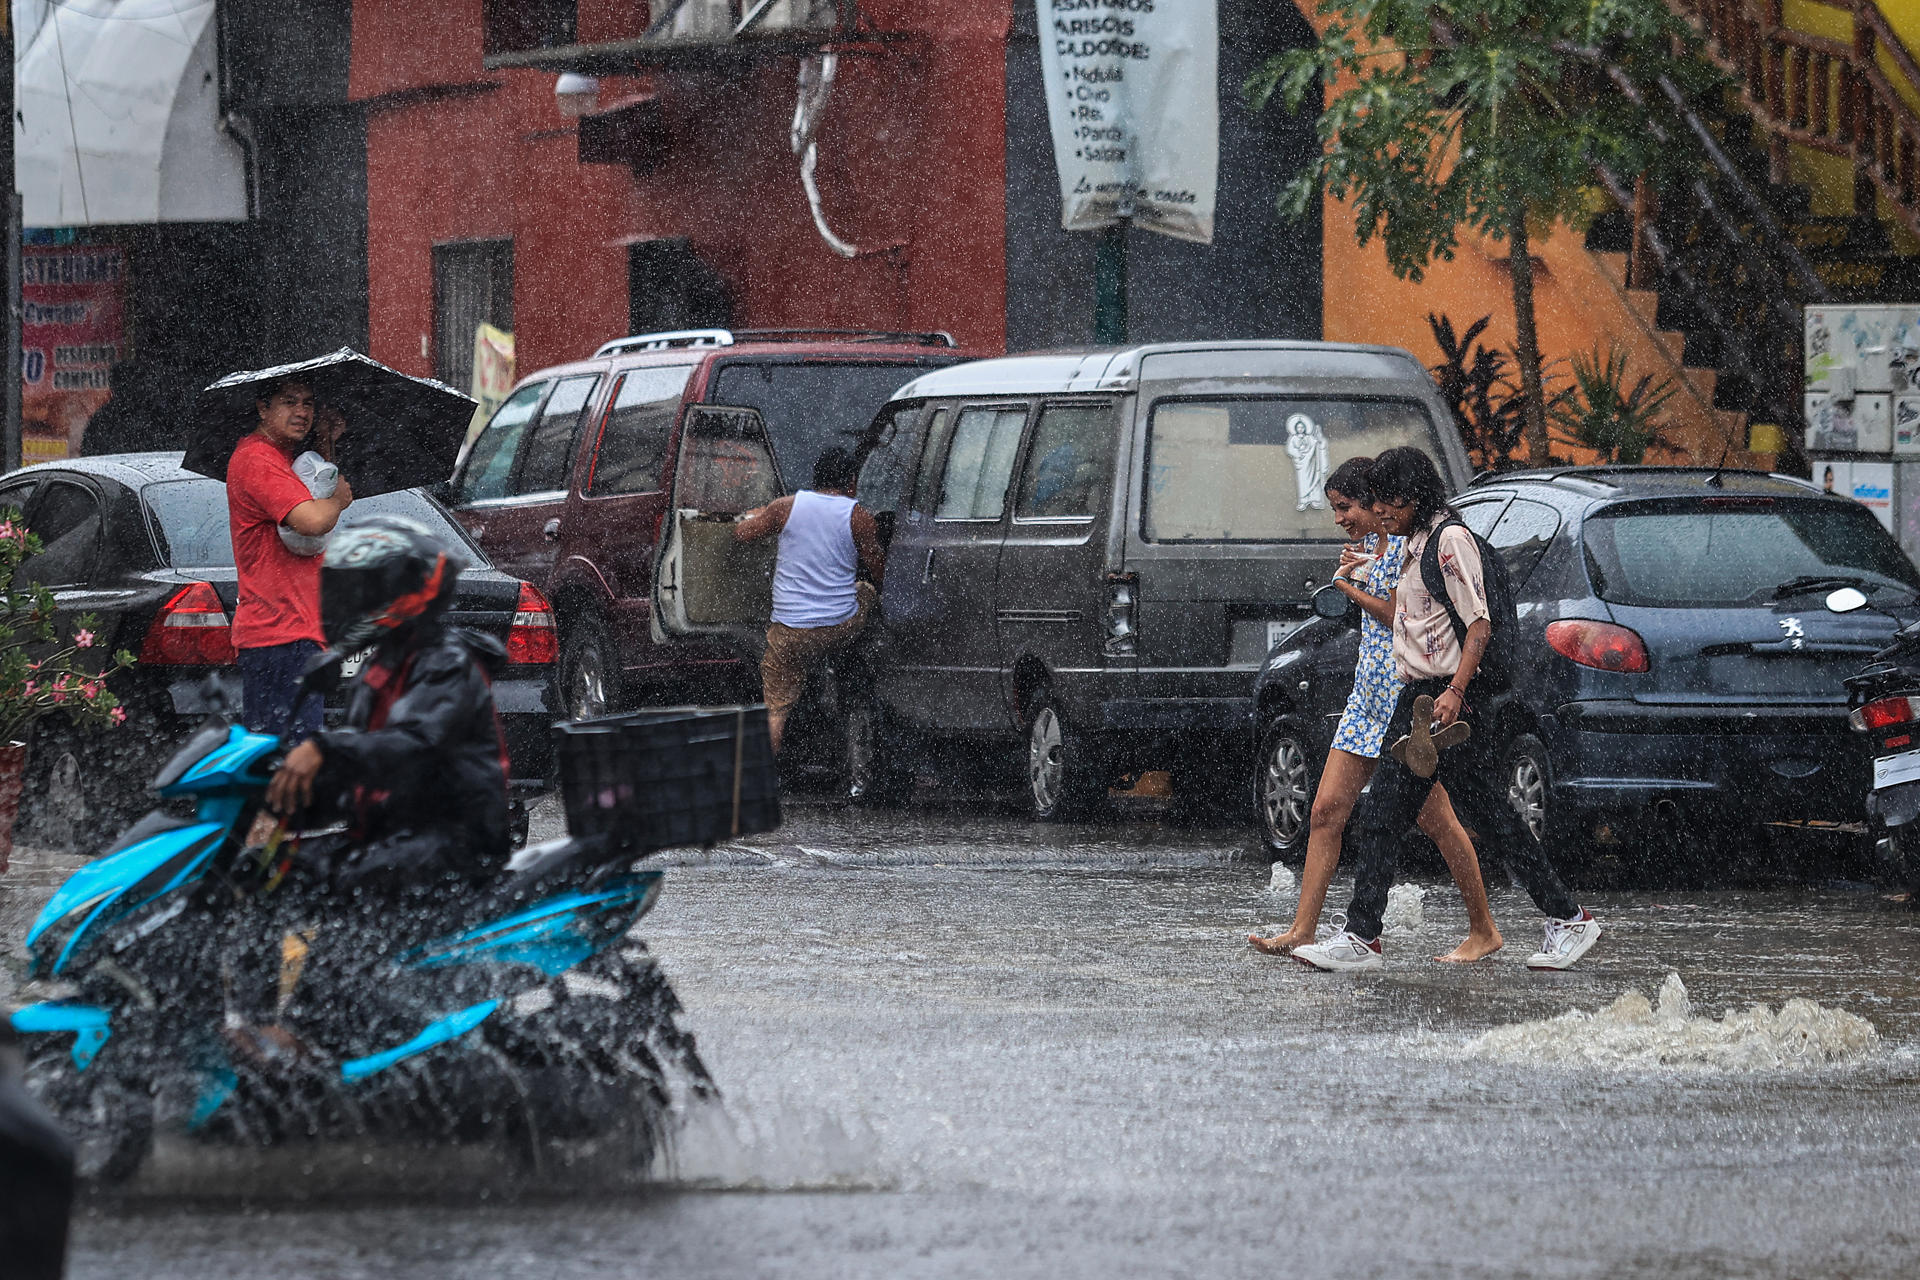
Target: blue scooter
{"x": 187, "y": 985}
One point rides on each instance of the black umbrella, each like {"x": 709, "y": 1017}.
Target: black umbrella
{"x": 402, "y": 431}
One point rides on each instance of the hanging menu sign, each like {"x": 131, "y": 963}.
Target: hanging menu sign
{"x": 1132, "y": 97}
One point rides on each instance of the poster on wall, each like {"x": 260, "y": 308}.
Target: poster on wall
{"x": 492, "y": 376}
{"x": 1871, "y": 484}
{"x": 72, "y": 332}
{"x": 1133, "y": 102}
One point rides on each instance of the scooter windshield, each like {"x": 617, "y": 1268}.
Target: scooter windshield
{"x": 212, "y": 736}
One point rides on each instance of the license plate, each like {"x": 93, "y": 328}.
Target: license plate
{"x": 1891, "y": 771}
{"x": 351, "y": 664}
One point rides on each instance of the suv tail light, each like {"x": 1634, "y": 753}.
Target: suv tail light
{"x": 1604, "y": 646}
{"x": 1123, "y": 591}
{"x": 191, "y": 629}
{"x": 532, "y": 637}
{"x": 1884, "y": 713}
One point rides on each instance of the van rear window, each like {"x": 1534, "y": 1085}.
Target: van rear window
{"x": 811, "y": 407}
{"x": 1250, "y": 469}
{"x": 1691, "y": 554}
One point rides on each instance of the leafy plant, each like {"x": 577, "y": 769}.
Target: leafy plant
{"x": 1472, "y": 378}
{"x": 58, "y": 680}
{"x": 1602, "y": 413}
{"x": 1485, "y": 114}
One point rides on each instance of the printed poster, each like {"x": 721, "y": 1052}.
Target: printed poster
{"x": 492, "y": 376}
{"x": 72, "y": 332}
{"x": 1132, "y": 98}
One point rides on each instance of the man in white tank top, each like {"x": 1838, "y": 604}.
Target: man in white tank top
{"x": 818, "y": 606}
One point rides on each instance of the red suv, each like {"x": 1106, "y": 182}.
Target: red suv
{"x": 570, "y": 482}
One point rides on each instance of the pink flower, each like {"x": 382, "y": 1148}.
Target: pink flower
{"x": 59, "y": 694}
{"x": 92, "y": 688}
{"x": 28, "y": 690}
{"x": 83, "y": 638}
{"x": 118, "y": 715}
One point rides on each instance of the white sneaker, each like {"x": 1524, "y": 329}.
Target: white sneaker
{"x": 1567, "y": 941}
{"x": 1340, "y": 953}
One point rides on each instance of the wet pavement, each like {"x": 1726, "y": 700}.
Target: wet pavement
{"x": 956, "y": 1043}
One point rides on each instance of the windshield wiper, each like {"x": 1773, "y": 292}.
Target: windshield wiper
{"x": 1814, "y": 582}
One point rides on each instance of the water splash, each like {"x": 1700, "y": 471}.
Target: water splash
{"x": 713, "y": 1145}
{"x": 1406, "y": 909}
{"x": 1634, "y": 1032}
{"x": 1280, "y": 882}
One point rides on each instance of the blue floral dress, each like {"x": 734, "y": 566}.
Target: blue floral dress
{"x": 1376, "y": 680}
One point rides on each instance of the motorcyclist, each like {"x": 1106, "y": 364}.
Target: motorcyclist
{"x": 419, "y": 770}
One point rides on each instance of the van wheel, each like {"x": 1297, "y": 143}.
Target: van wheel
{"x": 589, "y": 678}
{"x": 1065, "y": 776}
{"x": 1283, "y": 784}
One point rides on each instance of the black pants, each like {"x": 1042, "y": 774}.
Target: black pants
{"x": 1471, "y": 775}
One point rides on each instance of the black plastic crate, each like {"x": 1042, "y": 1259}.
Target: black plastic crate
{"x": 669, "y": 776}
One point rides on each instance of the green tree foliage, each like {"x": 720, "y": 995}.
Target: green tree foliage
{"x": 1485, "y": 114}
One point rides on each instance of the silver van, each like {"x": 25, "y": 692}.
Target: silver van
{"x": 1091, "y": 552}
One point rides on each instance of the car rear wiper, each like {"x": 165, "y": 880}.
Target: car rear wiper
{"x": 1814, "y": 582}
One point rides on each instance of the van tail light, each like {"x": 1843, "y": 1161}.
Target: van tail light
{"x": 1601, "y": 645}
{"x": 532, "y": 637}
{"x": 1884, "y": 713}
{"x": 191, "y": 629}
{"x": 1123, "y": 615}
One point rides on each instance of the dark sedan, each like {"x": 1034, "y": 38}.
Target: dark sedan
{"x": 142, "y": 543}
{"x": 1677, "y": 668}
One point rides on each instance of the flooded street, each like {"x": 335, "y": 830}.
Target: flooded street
{"x": 956, "y": 1045}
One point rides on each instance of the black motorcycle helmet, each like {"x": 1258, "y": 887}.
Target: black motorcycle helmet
{"x": 380, "y": 578}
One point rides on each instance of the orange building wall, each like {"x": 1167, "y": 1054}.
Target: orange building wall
{"x": 1579, "y": 303}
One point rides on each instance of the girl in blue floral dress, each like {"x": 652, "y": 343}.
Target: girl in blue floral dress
{"x": 1369, "y": 571}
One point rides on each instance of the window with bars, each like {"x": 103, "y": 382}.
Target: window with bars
{"x": 472, "y": 286}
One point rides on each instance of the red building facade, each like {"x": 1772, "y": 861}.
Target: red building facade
{"x": 700, "y": 182}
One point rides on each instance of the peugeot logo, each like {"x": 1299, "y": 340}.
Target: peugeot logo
{"x": 1790, "y": 629}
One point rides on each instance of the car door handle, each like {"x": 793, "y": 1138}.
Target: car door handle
{"x": 927, "y": 575}
{"x": 551, "y": 530}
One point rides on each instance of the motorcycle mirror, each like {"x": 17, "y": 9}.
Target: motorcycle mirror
{"x": 1846, "y": 600}
{"x": 1331, "y": 602}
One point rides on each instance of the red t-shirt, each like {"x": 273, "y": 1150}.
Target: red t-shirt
{"x": 279, "y": 591}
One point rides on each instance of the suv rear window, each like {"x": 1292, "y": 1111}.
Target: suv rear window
{"x": 812, "y": 407}
{"x": 1250, "y": 469}
{"x": 1688, "y": 554}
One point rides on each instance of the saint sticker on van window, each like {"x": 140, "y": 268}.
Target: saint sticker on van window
{"x": 1307, "y": 446}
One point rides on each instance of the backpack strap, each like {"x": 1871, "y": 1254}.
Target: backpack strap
{"x": 1436, "y": 581}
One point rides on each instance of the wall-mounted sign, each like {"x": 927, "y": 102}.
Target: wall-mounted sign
{"x": 1132, "y": 97}
{"x": 72, "y": 333}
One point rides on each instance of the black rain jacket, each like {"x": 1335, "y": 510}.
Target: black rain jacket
{"x": 427, "y": 787}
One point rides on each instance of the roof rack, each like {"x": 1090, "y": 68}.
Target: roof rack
{"x": 728, "y": 337}
{"x": 927, "y": 338}
{"x": 662, "y": 341}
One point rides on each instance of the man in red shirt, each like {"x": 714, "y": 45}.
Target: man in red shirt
{"x": 276, "y": 627}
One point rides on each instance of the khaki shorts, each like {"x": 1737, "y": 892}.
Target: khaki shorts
{"x": 793, "y": 652}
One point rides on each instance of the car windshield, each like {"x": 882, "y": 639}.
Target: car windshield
{"x": 1689, "y": 554}
{"x": 811, "y": 408}
{"x": 191, "y": 518}
{"x": 1251, "y": 469}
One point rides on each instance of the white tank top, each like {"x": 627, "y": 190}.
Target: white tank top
{"x": 813, "y": 578}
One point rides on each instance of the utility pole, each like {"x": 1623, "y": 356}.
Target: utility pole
{"x": 10, "y": 428}
{"x": 1110, "y": 285}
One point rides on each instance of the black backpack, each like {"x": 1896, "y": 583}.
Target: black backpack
{"x": 1496, "y": 664}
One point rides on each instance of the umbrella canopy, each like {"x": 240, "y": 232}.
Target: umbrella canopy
{"x": 402, "y": 431}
